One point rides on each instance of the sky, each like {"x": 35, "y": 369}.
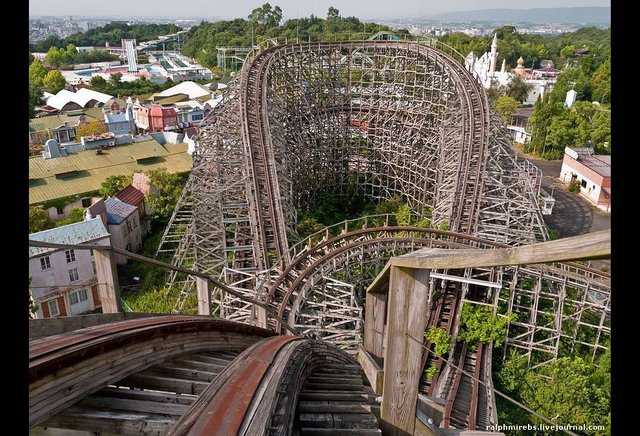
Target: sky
{"x": 207, "y": 9}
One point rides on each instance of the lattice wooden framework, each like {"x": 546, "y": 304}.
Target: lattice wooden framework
{"x": 384, "y": 118}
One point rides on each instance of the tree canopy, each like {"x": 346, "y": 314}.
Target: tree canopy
{"x": 54, "y": 81}
{"x": 112, "y": 33}
{"x": 114, "y": 184}
{"x": 165, "y": 192}
{"x": 39, "y": 220}
{"x": 201, "y": 41}
{"x": 569, "y": 390}
{"x": 506, "y": 106}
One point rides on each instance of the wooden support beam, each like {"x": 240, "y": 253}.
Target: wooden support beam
{"x": 407, "y": 317}
{"x": 108, "y": 287}
{"x": 371, "y": 370}
{"x": 204, "y": 296}
{"x": 595, "y": 245}
{"x": 374, "y": 322}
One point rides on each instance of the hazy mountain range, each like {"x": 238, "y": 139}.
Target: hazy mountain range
{"x": 575, "y": 15}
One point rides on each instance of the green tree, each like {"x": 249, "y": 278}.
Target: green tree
{"x": 91, "y": 128}
{"x": 54, "y": 81}
{"x": 35, "y": 99}
{"x": 39, "y": 220}
{"x": 98, "y": 83}
{"x": 565, "y": 390}
{"x": 75, "y": 216}
{"x": 506, "y": 106}
{"x": 308, "y": 226}
{"x": 440, "y": 338}
{"x": 601, "y": 83}
{"x": 333, "y": 13}
{"x": 115, "y": 79}
{"x": 165, "y": 192}
{"x": 480, "y": 324}
{"x": 55, "y": 56}
{"x": 37, "y": 73}
{"x": 114, "y": 184}
{"x": 518, "y": 89}
{"x": 266, "y": 16}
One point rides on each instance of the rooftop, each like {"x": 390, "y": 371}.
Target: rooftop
{"x": 192, "y": 89}
{"x": 130, "y": 195}
{"x": 76, "y": 233}
{"x": 72, "y": 119}
{"x": 81, "y": 97}
{"x": 90, "y": 170}
{"x": 600, "y": 163}
{"x": 117, "y": 210}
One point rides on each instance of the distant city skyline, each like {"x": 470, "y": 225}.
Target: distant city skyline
{"x": 363, "y": 9}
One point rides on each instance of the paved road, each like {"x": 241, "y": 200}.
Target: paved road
{"x": 572, "y": 214}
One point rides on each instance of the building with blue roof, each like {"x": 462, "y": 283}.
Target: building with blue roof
{"x": 123, "y": 222}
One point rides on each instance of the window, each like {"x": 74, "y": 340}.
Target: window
{"x": 86, "y": 202}
{"x": 197, "y": 117}
{"x": 53, "y": 308}
{"x": 71, "y": 255}
{"x": 91, "y": 252}
{"x": 78, "y": 296}
{"x": 60, "y": 210}
{"x": 129, "y": 225}
{"x": 45, "y": 263}
{"x": 93, "y": 265}
{"x": 583, "y": 183}
{"x": 73, "y": 274}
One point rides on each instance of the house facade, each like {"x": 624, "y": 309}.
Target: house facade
{"x": 64, "y": 282}
{"x": 592, "y": 171}
{"x": 135, "y": 197}
{"x": 155, "y": 118}
{"x": 124, "y": 227}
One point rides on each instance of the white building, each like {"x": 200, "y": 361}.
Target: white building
{"x": 124, "y": 227}
{"x": 64, "y": 282}
{"x": 592, "y": 171}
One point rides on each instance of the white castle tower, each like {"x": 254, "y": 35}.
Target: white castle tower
{"x": 494, "y": 55}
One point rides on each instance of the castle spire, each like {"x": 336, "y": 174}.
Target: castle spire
{"x": 494, "y": 54}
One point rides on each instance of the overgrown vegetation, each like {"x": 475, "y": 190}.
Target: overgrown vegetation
{"x": 479, "y": 324}
{"x": 574, "y": 186}
{"x": 569, "y": 391}
{"x": 136, "y": 88}
{"x": 440, "y": 338}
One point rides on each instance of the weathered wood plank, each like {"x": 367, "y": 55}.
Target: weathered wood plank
{"x": 374, "y": 322}
{"x": 319, "y": 407}
{"x": 39, "y": 328}
{"x": 381, "y": 282}
{"x": 80, "y": 418}
{"x": 373, "y": 372}
{"x": 90, "y": 375}
{"x": 158, "y": 397}
{"x": 335, "y": 380}
{"x": 408, "y": 292}
{"x": 596, "y": 245}
{"x": 98, "y": 402}
{"x": 184, "y": 373}
{"x": 335, "y": 395}
{"x": 203, "y": 291}
{"x": 151, "y": 380}
{"x": 306, "y": 431}
{"x": 107, "y": 275}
